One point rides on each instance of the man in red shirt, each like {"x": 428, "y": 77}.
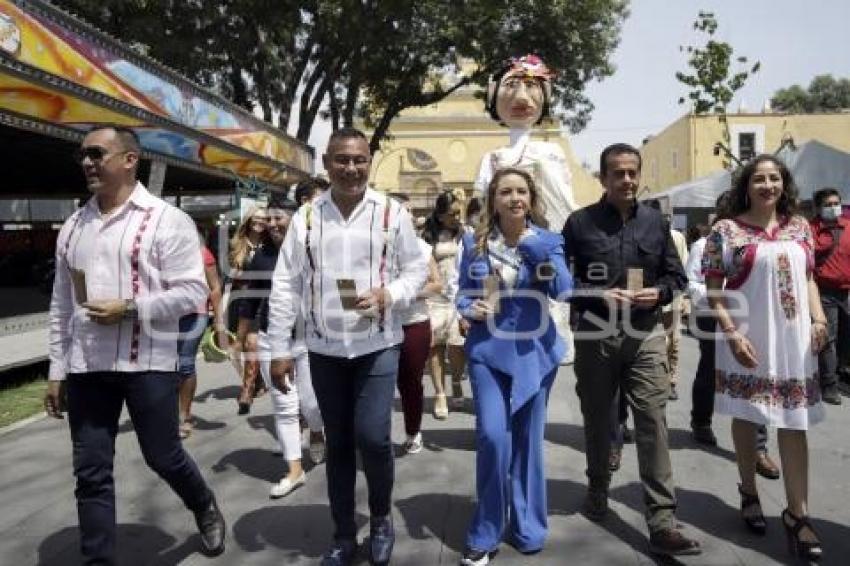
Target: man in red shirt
{"x": 832, "y": 274}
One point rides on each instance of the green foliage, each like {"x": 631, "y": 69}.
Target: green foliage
{"x": 712, "y": 80}
{"x": 369, "y": 58}
{"x": 825, "y": 94}
{"x": 715, "y": 76}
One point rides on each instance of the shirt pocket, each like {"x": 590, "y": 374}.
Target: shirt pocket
{"x": 601, "y": 265}
{"x": 649, "y": 254}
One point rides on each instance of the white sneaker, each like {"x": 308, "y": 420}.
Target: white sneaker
{"x": 317, "y": 452}
{"x": 474, "y": 558}
{"x": 286, "y": 486}
{"x": 413, "y": 444}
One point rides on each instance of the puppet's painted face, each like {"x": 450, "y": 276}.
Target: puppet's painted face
{"x": 520, "y": 100}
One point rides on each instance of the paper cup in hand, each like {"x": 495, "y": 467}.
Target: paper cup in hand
{"x": 634, "y": 279}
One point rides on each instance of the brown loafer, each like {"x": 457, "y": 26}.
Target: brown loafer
{"x": 671, "y": 542}
{"x": 766, "y": 467}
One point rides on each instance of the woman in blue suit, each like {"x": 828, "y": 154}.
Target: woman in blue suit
{"x": 508, "y": 271}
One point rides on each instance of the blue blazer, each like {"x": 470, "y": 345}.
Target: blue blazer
{"x": 527, "y": 346}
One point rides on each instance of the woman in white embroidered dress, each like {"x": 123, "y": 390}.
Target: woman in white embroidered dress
{"x": 770, "y": 314}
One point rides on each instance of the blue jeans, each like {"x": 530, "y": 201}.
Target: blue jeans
{"x": 95, "y": 401}
{"x": 356, "y": 401}
{"x": 192, "y": 328}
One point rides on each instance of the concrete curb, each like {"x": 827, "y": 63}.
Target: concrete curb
{"x": 22, "y": 423}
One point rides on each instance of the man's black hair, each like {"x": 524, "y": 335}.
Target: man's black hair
{"x": 346, "y": 133}
{"x": 128, "y": 137}
{"x": 616, "y": 149}
{"x": 821, "y": 195}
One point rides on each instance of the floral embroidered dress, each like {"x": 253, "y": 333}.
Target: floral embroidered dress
{"x": 767, "y": 296}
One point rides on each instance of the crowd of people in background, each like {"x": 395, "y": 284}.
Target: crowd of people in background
{"x": 336, "y": 295}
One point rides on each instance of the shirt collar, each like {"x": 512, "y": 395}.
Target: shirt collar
{"x": 370, "y": 195}
{"x": 610, "y": 209}
{"x": 140, "y": 198}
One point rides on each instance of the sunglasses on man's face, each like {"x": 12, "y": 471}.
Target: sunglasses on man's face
{"x": 96, "y": 154}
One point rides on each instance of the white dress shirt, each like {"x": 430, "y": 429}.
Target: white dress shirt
{"x": 344, "y": 249}
{"x": 146, "y": 250}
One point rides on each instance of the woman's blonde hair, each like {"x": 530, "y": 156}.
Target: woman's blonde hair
{"x": 489, "y": 218}
{"x": 239, "y": 242}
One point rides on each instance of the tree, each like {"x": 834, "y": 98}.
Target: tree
{"x": 825, "y": 94}
{"x": 713, "y": 82}
{"x": 367, "y": 58}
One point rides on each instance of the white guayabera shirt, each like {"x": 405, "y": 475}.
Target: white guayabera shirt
{"x": 376, "y": 246}
{"x": 146, "y": 250}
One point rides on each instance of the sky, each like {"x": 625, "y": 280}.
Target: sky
{"x": 794, "y": 40}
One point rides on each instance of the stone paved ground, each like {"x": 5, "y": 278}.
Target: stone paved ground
{"x": 433, "y": 496}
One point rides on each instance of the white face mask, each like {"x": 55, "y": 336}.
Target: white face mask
{"x": 830, "y": 212}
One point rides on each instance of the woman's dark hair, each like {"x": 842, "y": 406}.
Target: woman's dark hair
{"x": 433, "y": 226}
{"x": 739, "y": 201}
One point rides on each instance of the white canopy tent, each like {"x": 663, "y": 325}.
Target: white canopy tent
{"x": 814, "y": 165}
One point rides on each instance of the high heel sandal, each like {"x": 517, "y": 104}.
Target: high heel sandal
{"x": 807, "y": 550}
{"x": 755, "y": 523}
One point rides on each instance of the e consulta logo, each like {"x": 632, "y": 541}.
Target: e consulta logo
{"x": 10, "y": 35}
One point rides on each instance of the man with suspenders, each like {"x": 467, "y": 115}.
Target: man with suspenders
{"x": 351, "y": 261}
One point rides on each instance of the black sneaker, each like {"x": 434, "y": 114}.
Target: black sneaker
{"x": 831, "y": 395}
{"x": 472, "y": 557}
{"x": 342, "y": 553}
{"x": 381, "y": 540}
{"x": 212, "y": 528}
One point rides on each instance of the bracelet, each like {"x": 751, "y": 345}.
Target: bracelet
{"x": 728, "y": 330}
{"x": 823, "y": 322}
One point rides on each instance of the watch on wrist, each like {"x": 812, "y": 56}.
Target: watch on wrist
{"x": 130, "y": 309}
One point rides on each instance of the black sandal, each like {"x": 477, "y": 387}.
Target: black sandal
{"x": 807, "y": 550}
{"x": 755, "y": 523}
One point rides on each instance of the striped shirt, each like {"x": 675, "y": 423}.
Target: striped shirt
{"x": 146, "y": 250}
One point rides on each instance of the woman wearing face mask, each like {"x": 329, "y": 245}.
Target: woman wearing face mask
{"x": 832, "y": 274}
{"x": 757, "y": 266}
{"x": 509, "y": 271}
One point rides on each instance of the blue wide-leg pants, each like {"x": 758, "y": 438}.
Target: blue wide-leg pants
{"x": 510, "y": 479}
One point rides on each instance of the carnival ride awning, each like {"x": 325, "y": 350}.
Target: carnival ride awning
{"x": 59, "y": 76}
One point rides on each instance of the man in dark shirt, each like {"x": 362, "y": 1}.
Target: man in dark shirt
{"x": 832, "y": 274}
{"x": 625, "y": 268}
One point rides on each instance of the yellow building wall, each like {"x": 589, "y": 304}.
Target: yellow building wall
{"x": 667, "y": 158}
{"x": 695, "y": 136}
{"x": 456, "y": 133}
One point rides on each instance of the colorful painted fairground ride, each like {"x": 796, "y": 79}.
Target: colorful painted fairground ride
{"x": 60, "y": 76}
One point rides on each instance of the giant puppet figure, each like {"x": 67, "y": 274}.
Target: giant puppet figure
{"x": 519, "y": 97}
